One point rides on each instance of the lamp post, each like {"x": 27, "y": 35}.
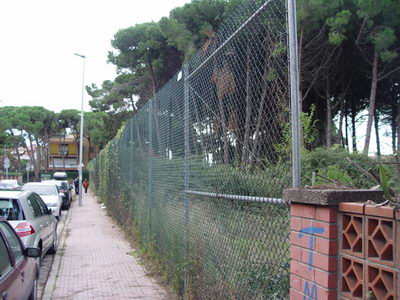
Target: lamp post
{"x": 81, "y": 132}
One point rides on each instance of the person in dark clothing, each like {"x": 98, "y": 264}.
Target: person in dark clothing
{"x": 76, "y": 184}
{"x": 85, "y": 185}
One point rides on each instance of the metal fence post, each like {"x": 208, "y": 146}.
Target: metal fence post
{"x": 294, "y": 93}
{"x": 150, "y": 166}
{"x": 186, "y": 164}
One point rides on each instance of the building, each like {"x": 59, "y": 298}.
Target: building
{"x": 64, "y": 153}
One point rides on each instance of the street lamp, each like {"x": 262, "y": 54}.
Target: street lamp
{"x": 81, "y": 132}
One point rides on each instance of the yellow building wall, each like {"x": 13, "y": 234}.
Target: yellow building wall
{"x": 72, "y": 149}
{"x": 54, "y": 148}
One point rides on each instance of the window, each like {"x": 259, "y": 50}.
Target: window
{"x": 12, "y": 240}
{"x": 5, "y": 261}
{"x": 10, "y": 210}
{"x": 64, "y": 149}
{"x": 41, "y": 189}
{"x": 34, "y": 205}
{"x": 43, "y": 206}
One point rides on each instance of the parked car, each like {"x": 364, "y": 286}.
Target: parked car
{"x": 31, "y": 218}
{"x": 63, "y": 187}
{"x": 60, "y": 176}
{"x": 10, "y": 184}
{"x": 49, "y": 194}
{"x": 19, "y": 270}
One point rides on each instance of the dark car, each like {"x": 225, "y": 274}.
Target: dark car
{"x": 19, "y": 271}
{"x": 63, "y": 187}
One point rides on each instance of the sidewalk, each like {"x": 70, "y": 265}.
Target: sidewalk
{"x": 93, "y": 260}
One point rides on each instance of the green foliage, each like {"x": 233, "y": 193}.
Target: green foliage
{"x": 334, "y": 173}
{"x": 337, "y": 26}
{"x": 333, "y": 163}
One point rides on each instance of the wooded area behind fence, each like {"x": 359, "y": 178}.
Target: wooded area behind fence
{"x": 198, "y": 173}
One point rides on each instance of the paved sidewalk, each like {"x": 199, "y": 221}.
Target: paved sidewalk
{"x": 93, "y": 260}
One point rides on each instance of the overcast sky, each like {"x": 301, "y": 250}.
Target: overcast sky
{"x": 38, "y": 39}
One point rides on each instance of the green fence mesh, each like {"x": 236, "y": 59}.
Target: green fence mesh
{"x": 198, "y": 173}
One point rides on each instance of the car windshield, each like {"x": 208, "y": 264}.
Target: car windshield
{"x": 6, "y": 186}
{"x": 41, "y": 189}
{"x": 10, "y": 210}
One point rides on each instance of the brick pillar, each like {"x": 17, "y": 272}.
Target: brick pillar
{"x": 314, "y": 240}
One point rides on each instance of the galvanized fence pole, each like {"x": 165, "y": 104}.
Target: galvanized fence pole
{"x": 294, "y": 93}
{"x": 186, "y": 164}
{"x": 150, "y": 167}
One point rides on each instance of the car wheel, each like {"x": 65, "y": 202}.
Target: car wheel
{"x": 33, "y": 294}
{"x": 53, "y": 248}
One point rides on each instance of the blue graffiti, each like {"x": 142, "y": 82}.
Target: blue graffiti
{"x": 311, "y": 230}
{"x": 310, "y": 295}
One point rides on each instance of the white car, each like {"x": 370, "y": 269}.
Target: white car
{"x": 31, "y": 218}
{"x": 49, "y": 193}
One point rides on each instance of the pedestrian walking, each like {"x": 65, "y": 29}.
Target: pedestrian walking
{"x": 76, "y": 184}
{"x": 85, "y": 185}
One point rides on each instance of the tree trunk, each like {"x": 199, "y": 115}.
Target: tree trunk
{"x": 33, "y": 159}
{"x": 346, "y": 126}
{"x": 372, "y": 99}
{"x": 353, "y": 126}
{"x": 398, "y": 141}
{"x": 328, "y": 115}
{"x": 341, "y": 117}
{"x": 39, "y": 155}
{"x": 378, "y": 143}
{"x": 393, "y": 125}
{"x": 246, "y": 141}
{"x": 300, "y": 59}
{"x": 16, "y": 151}
{"x": 224, "y": 130}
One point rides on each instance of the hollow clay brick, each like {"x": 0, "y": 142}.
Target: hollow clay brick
{"x": 381, "y": 239}
{"x": 327, "y": 214}
{"x": 382, "y": 211}
{"x": 355, "y": 208}
{"x": 303, "y": 210}
{"x": 326, "y": 246}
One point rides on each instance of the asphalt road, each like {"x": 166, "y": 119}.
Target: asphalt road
{"x": 47, "y": 261}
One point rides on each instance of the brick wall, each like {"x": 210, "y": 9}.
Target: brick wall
{"x": 313, "y": 252}
{"x": 343, "y": 250}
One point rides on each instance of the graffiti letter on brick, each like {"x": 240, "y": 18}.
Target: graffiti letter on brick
{"x": 310, "y": 295}
{"x": 311, "y": 230}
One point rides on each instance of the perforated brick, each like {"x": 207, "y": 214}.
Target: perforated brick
{"x": 352, "y": 283}
{"x": 381, "y": 283}
{"x": 352, "y": 235}
{"x": 381, "y": 240}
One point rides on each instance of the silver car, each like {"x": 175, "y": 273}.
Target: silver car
{"x": 49, "y": 193}
{"x": 31, "y": 219}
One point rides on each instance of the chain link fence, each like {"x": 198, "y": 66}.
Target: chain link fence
{"x": 198, "y": 173}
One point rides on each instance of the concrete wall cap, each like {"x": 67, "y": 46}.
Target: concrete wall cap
{"x": 326, "y": 197}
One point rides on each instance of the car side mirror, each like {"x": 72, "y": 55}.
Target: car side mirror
{"x": 50, "y": 211}
{"x": 32, "y": 252}
{"x": 61, "y": 195}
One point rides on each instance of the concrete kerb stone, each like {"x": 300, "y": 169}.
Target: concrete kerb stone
{"x": 51, "y": 280}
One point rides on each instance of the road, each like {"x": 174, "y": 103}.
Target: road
{"x": 47, "y": 261}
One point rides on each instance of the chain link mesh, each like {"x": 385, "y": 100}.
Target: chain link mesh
{"x": 197, "y": 174}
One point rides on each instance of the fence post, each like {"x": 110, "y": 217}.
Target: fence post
{"x": 294, "y": 93}
{"x": 150, "y": 167}
{"x": 186, "y": 165}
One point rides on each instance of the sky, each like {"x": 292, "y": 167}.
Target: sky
{"x": 38, "y": 39}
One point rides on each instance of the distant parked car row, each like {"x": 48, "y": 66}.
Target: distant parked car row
{"x": 28, "y": 229}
